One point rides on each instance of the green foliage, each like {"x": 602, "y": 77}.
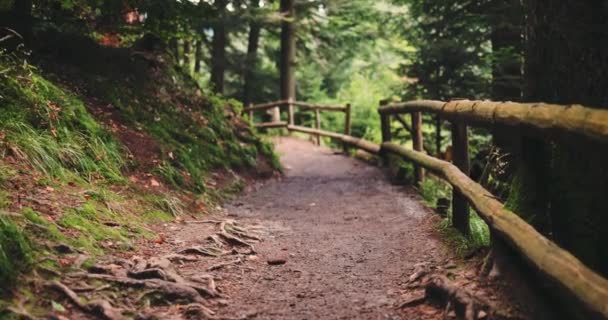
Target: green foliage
{"x": 432, "y": 189}
{"x": 172, "y": 205}
{"x": 16, "y": 254}
{"x": 157, "y": 216}
{"x": 51, "y": 129}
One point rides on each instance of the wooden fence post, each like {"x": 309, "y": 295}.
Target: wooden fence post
{"x": 290, "y": 111}
{"x": 250, "y": 114}
{"x": 318, "y": 125}
{"x": 347, "y": 125}
{"x": 460, "y": 149}
{"x": 418, "y": 145}
{"x": 385, "y": 126}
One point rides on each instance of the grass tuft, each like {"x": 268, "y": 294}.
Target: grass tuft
{"x": 16, "y": 254}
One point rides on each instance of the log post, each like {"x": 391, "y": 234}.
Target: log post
{"x": 347, "y": 125}
{"x": 290, "y": 112}
{"x": 250, "y": 114}
{"x": 385, "y": 126}
{"x": 418, "y": 145}
{"x": 460, "y": 149}
{"x": 318, "y": 125}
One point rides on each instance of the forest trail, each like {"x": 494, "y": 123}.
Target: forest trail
{"x": 349, "y": 237}
{"x": 337, "y": 241}
{"x": 349, "y": 241}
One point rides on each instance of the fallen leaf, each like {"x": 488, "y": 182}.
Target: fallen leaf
{"x": 57, "y": 306}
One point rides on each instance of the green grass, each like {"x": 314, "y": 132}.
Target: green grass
{"x": 432, "y": 189}
{"x": 50, "y": 129}
{"x": 91, "y": 233}
{"x": 16, "y": 253}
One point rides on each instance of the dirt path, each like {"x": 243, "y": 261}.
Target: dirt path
{"x": 349, "y": 239}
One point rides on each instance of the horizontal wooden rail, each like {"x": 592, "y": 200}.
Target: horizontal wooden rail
{"x": 578, "y": 119}
{"x": 558, "y": 264}
{"x": 304, "y": 105}
{"x": 268, "y": 125}
{"x": 319, "y": 106}
{"x": 359, "y": 143}
{"x": 266, "y": 106}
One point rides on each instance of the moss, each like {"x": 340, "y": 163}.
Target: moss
{"x": 90, "y": 230}
{"x": 157, "y": 216}
{"x": 16, "y": 253}
{"x": 50, "y": 230}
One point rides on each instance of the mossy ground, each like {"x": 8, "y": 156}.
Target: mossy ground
{"x": 66, "y": 174}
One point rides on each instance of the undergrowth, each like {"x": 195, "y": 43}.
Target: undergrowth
{"x": 51, "y": 129}
{"x": 432, "y": 189}
{"x": 16, "y": 254}
{"x": 49, "y": 138}
{"x": 198, "y": 132}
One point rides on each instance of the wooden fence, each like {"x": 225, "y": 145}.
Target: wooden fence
{"x": 290, "y": 125}
{"x": 565, "y": 271}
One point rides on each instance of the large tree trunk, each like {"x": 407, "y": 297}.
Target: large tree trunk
{"x": 218, "y": 48}
{"x": 507, "y": 46}
{"x": 565, "y": 182}
{"x": 252, "y": 55}
{"x": 288, "y": 53}
{"x": 198, "y": 55}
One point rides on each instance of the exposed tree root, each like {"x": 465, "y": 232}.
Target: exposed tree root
{"x": 224, "y": 264}
{"x": 441, "y": 292}
{"x": 203, "y": 251}
{"x": 101, "y": 308}
{"x": 156, "y": 279}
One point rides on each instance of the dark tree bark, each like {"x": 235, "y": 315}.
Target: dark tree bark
{"x": 564, "y": 182}
{"x": 252, "y": 55}
{"x": 198, "y": 55}
{"x": 218, "y": 47}
{"x": 507, "y": 45}
{"x": 174, "y": 49}
{"x": 288, "y": 52}
{"x": 187, "y": 49}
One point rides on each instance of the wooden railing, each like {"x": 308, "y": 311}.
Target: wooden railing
{"x": 565, "y": 271}
{"x": 556, "y": 264}
{"x": 291, "y": 126}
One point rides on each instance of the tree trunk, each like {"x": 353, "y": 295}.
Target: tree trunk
{"x": 252, "y": 55}
{"x": 187, "y": 50}
{"x": 174, "y": 49}
{"x": 218, "y": 48}
{"x": 507, "y": 46}
{"x": 198, "y": 55}
{"x": 567, "y": 62}
{"x": 288, "y": 53}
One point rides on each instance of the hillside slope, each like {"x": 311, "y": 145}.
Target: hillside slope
{"x": 99, "y": 143}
